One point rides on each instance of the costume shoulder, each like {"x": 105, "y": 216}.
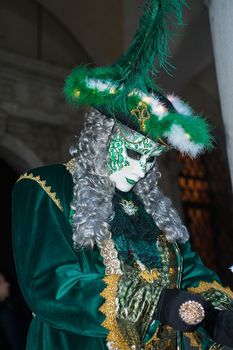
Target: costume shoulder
{"x": 55, "y": 180}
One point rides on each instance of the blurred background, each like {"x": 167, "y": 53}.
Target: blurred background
{"x": 40, "y": 41}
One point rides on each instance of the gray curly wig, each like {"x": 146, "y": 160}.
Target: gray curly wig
{"x": 93, "y": 190}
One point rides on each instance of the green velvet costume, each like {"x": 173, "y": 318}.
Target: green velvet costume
{"x": 62, "y": 286}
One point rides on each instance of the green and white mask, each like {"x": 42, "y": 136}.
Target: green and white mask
{"x": 130, "y": 158}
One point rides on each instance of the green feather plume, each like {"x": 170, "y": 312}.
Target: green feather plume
{"x": 136, "y": 69}
{"x": 156, "y": 29}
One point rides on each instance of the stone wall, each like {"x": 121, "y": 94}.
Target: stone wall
{"x": 34, "y": 116}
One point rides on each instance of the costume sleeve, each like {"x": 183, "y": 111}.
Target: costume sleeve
{"x": 199, "y": 279}
{"x": 57, "y": 285}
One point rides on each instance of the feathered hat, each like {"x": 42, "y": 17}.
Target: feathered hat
{"x": 127, "y": 91}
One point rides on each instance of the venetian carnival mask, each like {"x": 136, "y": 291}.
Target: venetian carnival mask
{"x": 130, "y": 157}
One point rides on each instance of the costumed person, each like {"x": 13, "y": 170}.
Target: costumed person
{"x": 102, "y": 257}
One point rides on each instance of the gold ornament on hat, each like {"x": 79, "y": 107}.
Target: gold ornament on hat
{"x": 142, "y": 114}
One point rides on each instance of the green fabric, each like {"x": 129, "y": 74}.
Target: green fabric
{"x": 193, "y": 269}
{"x": 137, "y": 302}
{"x": 56, "y": 282}
{"x": 193, "y": 273}
{"x": 62, "y": 286}
{"x": 134, "y": 235}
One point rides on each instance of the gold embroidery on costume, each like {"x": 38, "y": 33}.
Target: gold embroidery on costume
{"x": 162, "y": 276}
{"x": 153, "y": 340}
{"x": 168, "y": 276}
{"x": 164, "y": 339}
{"x": 71, "y": 166}
{"x": 113, "y": 273}
{"x": 46, "y": 188}
{"x": 110, "y": 257}
{"x": 206, "y": 286}
{"x": 165, "y": 336}
{"x": 194, "y": 341}
{"x": 220, "y": 297}
{"x": 149, "y": 276}
{"x": 216, "y": 347}
{"x": 109, "y": 310}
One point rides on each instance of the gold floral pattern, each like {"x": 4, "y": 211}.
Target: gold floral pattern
{"x": 110, "y": 257}
{"x": 206, "y": 286}
{"x": 113, "y": 272}
{"x": 46, "y": 188}
{"x": 149, "y": 276}
{"x": 114, "y": 337}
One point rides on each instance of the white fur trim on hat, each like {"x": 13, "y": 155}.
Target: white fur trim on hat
{"x": 181, "y": 106}
{"x": 179, "y": 139}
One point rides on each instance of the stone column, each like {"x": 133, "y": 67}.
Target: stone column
{"x": 221, "y": 23}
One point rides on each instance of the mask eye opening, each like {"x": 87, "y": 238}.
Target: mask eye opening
{"x": 151, "y": 159}
{"x": 133, "y": 154}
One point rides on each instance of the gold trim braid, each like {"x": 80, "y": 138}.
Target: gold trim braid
{"x": 206, "y": 286}
{"x": 194, "y": 341}
{"x": 109, "y": 310}
{"x": 46, "y": 188}
{"x": 71, "y": 166}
